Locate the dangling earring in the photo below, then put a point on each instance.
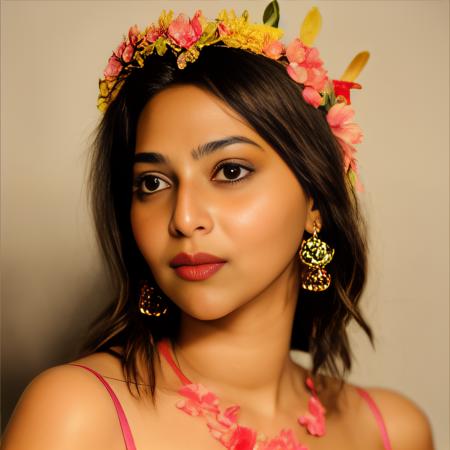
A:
(315, 254)
(150, 302)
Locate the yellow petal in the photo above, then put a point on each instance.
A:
(311, 26)
(356, 66)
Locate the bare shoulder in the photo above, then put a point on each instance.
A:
(63, 407)
(407, 425)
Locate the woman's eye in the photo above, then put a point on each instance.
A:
(149, 184)
(232, 172)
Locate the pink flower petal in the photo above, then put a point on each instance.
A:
(113, 68)
(297, 72)
(296, 51)
(119, 50)
(339, 114)
(339, 117)
(185, 32)
(312, 97)
(274, 49)
(314, 420)
(133, 34)
(243, 438)
(128, 53)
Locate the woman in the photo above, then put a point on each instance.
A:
(223, 186)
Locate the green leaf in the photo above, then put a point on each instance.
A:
(271, 14)
(160, 46)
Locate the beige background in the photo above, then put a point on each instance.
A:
(52, 54)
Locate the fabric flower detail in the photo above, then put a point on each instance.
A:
(225, 429)
(184, 31)
(198, 400)
(220, 425)
(284, 441)
(243, 438)
(314, 420)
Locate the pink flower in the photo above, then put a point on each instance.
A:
(317, 78)
(273, 49)
(305, 65)
(133, 34)
(198, 400)
(312, 97)
(285, 441)
(297, 72)
(296, 51)
(314, 420)
(125, 50)
(184, 31)
(119, 50)
(153, 33)
(339, 118)
(128, 53)
(223, 425)
(113, 68)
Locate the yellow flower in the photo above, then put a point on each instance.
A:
(246, 35)
(165, 19)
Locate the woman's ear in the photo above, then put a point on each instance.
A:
(312, 215)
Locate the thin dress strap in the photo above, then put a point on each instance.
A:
(379, 418)
(126, 432)
(164, 349)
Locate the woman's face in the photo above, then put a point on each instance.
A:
(236, 200)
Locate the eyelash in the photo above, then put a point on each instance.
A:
(137, 184)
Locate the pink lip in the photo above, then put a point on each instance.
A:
(183, 259)
(198, 272)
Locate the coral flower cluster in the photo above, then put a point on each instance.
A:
(224, 427)
(185, 37)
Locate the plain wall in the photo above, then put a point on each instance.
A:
(53, 282)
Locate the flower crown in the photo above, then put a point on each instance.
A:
(186, 37)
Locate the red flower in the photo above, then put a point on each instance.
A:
(243, 438)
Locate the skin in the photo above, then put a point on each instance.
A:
(235, 326)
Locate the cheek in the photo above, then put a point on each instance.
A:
(268, 224)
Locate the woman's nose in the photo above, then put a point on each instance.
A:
(190, 212)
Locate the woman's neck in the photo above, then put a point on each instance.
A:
(245, 355)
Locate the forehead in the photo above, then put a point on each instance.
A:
(185, 116)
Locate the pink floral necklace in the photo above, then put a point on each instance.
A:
(223, 426)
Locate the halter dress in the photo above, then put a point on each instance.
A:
(164, 349)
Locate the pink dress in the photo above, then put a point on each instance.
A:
(165, 351)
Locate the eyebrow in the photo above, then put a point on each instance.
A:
(201, 151)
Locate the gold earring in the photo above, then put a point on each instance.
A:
(315, 254)
(150, 302)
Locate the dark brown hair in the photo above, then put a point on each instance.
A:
(260, 90)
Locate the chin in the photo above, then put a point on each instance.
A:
(207, 309)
